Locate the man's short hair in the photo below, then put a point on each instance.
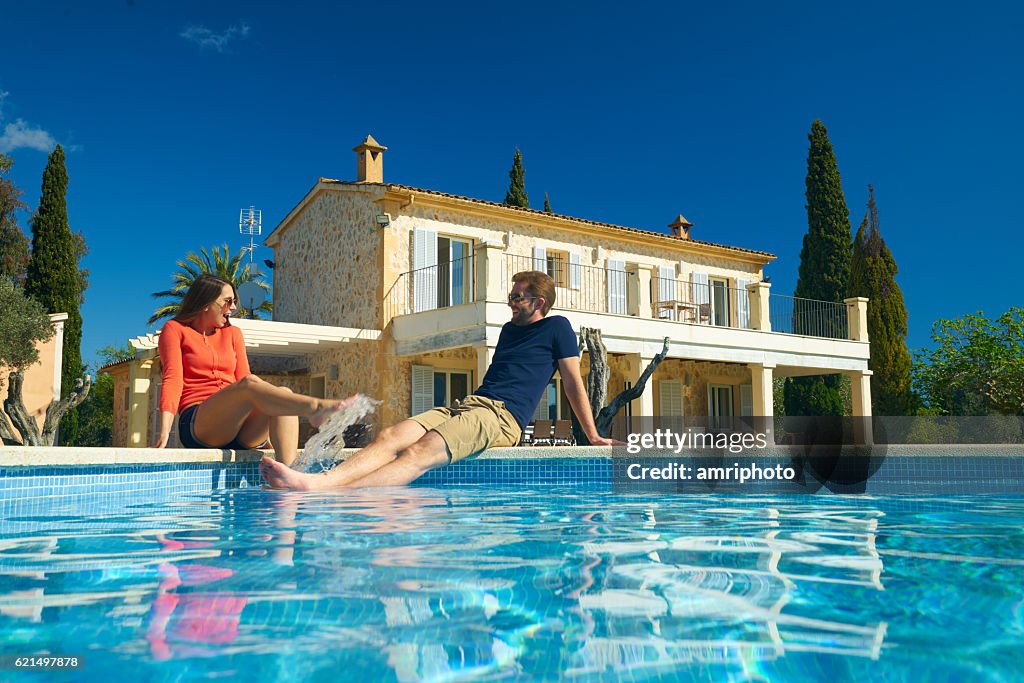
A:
(540, 284)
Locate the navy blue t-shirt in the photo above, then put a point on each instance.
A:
(524, 361)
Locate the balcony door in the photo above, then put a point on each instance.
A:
(442, 270)
(720, 409)
(719, 302)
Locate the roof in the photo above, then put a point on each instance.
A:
(114, 364)
(273, 337)
(538, 212)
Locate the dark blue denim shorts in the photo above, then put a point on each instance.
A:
(188, 437)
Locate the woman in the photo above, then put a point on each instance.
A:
(206, 378)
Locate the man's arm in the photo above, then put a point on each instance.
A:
(572, 383)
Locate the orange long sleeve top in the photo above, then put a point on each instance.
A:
(197, 366)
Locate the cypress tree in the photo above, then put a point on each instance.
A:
(53, 278)
(824, 269)
(873, 275)
(516, 195)
(13, 243)
(547, 204)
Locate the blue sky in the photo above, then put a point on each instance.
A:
(177, 114)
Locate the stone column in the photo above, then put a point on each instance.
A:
(757, 293)
(636, 364)
(764, 401)
(857, 316)
(860, 386)
(138, 402)
(490, 276)
(484, 356)
(639, 297)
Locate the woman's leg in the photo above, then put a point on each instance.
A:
(283, 431)
(221, 417)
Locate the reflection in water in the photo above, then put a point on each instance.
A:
(422, 584)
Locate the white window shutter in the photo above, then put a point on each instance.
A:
(422, 389)
(670, 394)
(666, 283)
(746, 400)
(541, 411)
(575, 271)
(702, 296)
(701, 288)
(540, 259)
(424, 266)
(743, 303)
(616, 274)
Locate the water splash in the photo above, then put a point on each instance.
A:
(319, 454)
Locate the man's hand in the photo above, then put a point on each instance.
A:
(598, 440)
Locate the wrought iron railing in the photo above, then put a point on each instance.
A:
(592, 289)
(808, 317)
(451, 283)
(604, 289)
(704, 303)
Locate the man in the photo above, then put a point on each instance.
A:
(530, 348)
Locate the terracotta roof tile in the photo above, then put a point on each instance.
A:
(649, 233)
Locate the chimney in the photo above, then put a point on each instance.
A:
(681, 227)
(370, 164)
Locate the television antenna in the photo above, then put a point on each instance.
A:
(250, 222)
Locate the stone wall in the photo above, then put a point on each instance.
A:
(326, 270)
(695, 394)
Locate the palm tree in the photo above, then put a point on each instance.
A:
(221, 262)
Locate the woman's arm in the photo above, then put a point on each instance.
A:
(173, 381)
(241, 358)
(160, 439)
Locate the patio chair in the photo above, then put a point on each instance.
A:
(563, 435)
(541, 433)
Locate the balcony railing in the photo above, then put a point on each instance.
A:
(808, 317)
(614, 288)
(451, 283)
(578, 287)
(704, 303)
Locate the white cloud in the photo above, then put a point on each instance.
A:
(21, 134)
(206, 38)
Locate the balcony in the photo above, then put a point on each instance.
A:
(469, 283)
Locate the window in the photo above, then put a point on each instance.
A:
(719, 302)
(720, 409)
(557, 266)
(442, 270)
(670, 395)
(564, 267)
(553, 404)
(433, 387)
(455, 268)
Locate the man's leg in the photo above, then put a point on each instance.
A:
(429, 452)
(383, 450)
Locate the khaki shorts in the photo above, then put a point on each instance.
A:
(472, 425)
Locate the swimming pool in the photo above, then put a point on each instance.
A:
(194, 575)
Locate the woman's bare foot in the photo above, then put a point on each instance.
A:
(329, 408)
(280, 476)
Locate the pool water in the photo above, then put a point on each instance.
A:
(497, 582)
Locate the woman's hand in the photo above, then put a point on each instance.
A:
(166, 420)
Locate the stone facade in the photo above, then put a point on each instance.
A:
(700, 375)
(326, 261)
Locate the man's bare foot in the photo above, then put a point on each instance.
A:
(329, 408)
(280, 476)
